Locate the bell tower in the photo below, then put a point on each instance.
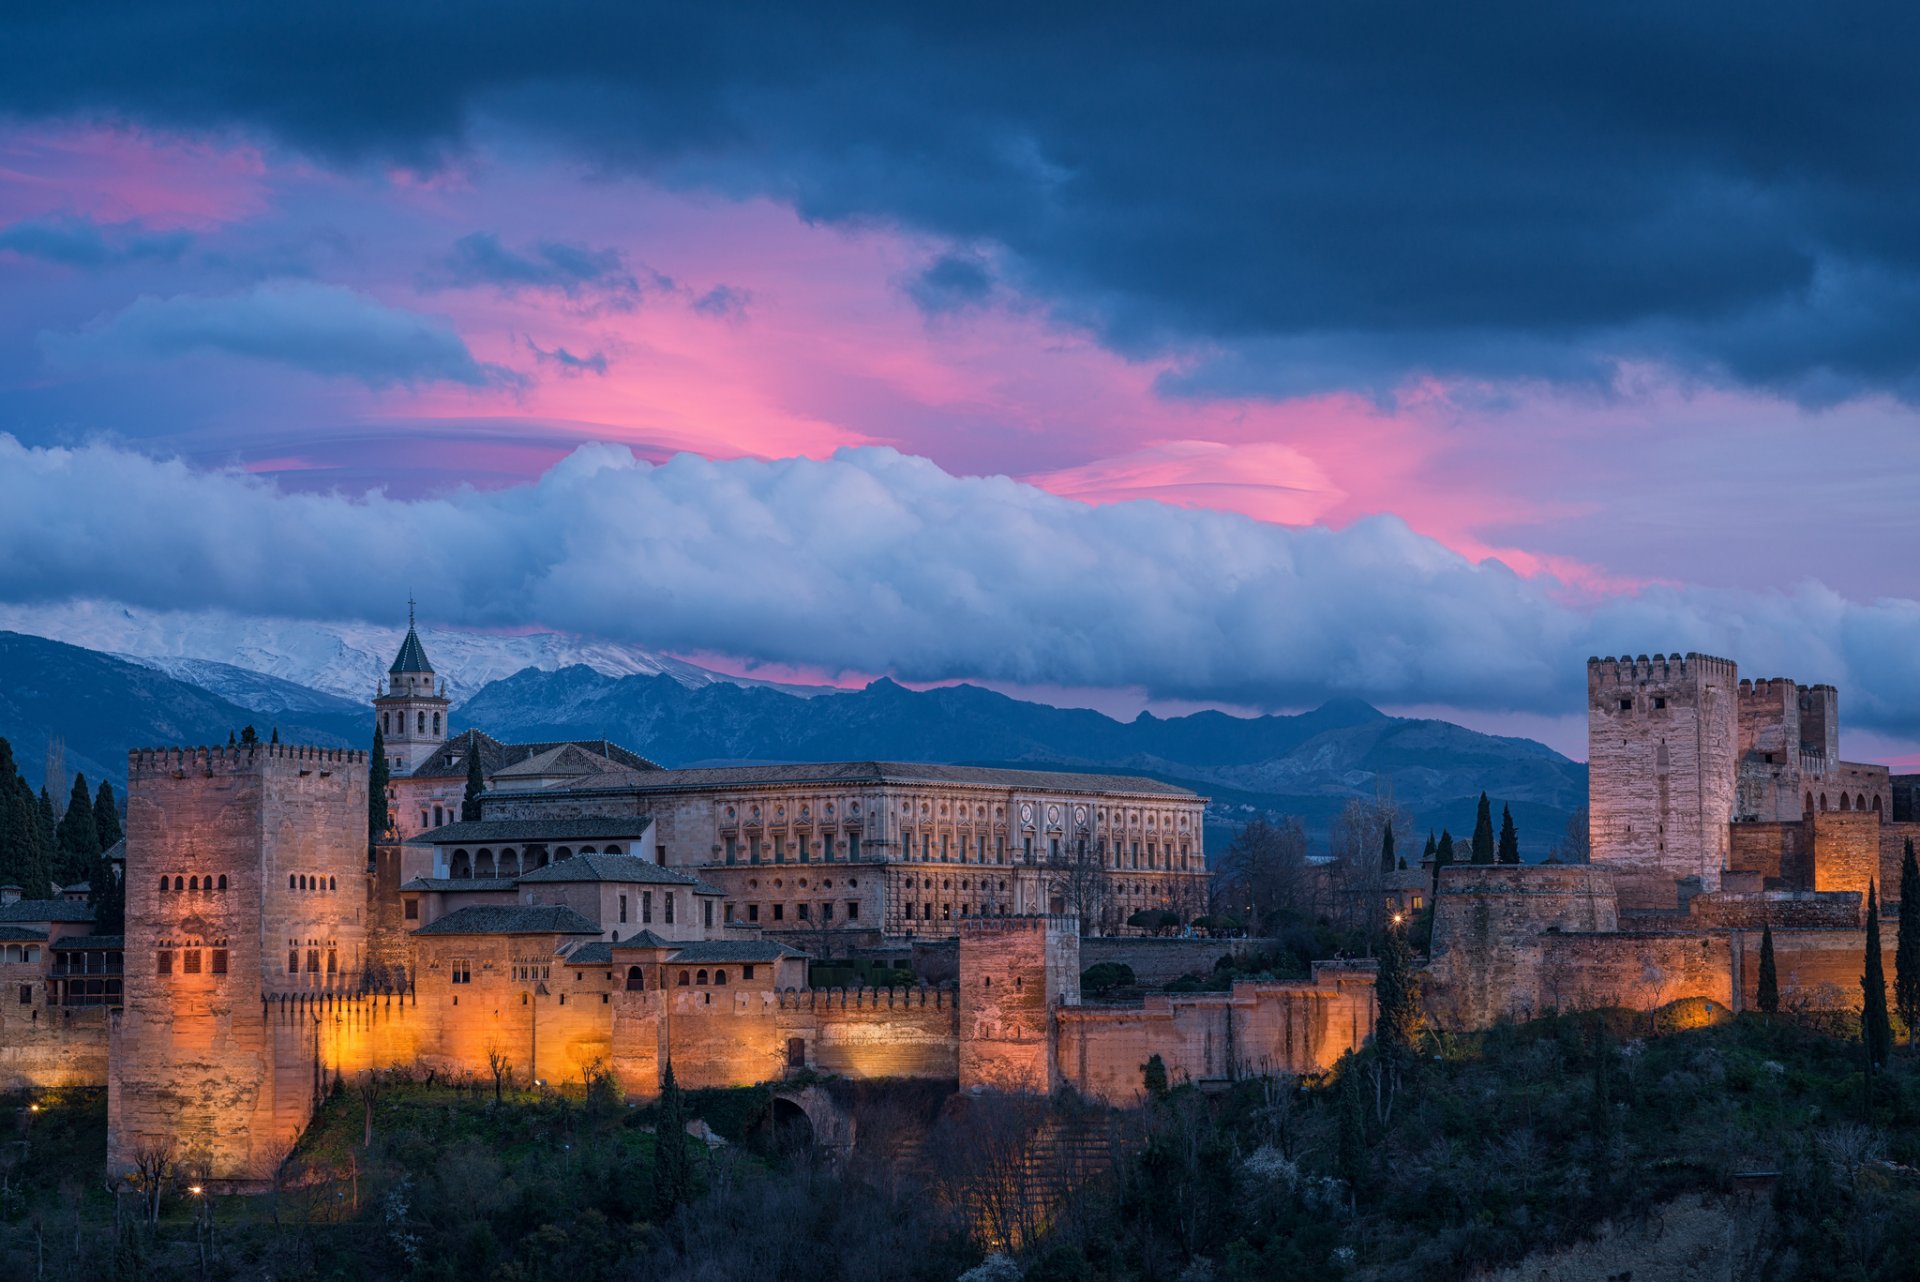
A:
(412, 710)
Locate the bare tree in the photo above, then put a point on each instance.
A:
(502, 1069)
(154, 1161)
(371, 1086)
(1357, 833)
(1078, 878)
(1264, 873)
(1576, 844)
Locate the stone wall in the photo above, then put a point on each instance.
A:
(1752, 910)
(1488, 924)
(1639, 970)
(1846, 851)
(1780, 850)
(1818, 969)
(1257, 1029)
(1161, 961)
(44, 1046)
(1893, 844)
(1663, 749)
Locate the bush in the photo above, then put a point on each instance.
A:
(1104, 977)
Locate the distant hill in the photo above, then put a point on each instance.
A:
(102, 706)
(1308, 764)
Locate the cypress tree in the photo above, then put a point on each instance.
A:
(1509, 838)
(49, 828)
(106, 816)
(108, 896)
(1387, 861)
(378, 778)
(1906, 947)
(1768, 998)
(1874, 1028)
(1483, 832)
(1426, 856)
(1442, 858)
(276, 735)
(1397, 991)
(476, 782)
(79, 844)
(1352, 1154)
(672, 1173)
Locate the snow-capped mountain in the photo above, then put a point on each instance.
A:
(340, 658)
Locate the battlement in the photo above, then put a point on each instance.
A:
(233, 759)
(1625, 669)
(1051, 923)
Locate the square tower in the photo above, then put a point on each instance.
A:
(245, 883)
(1663, 745)
(1014, 972)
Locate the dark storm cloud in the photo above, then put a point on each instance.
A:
(80, 242)
(576, 271)
(1364, 190)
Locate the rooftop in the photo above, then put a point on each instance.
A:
(479, 832)
(511, 919)
(79, 943)
(622, 868)
(21, 935)
(845, 773)
(449, 760)
(706, 952)
(459, 883)
(412, 656)
(49, 910)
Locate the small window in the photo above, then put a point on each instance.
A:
(707, 912)
(164, 885)
(460, 971)
(26, 994)
(806, 912)
(779, 911)
(293, 961)
(701, 978)
(163, 962)
(623, 908)
(646, 907)
(219, 961)
(1659, 701)
(223, 881)
(682, 981)
(719, 976)
(753, 912)
(313, 961)
(796, 1052)
(746, 972)
(413, 910)
(1626, 705)
(853, 912)
(667, 902)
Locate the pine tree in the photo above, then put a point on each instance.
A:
(79, 844)
(378, 779)
(1483, 833)
(1906, 947)
(672, 1171)
(1426, 856)
(106, 816)
(476, 783)
(1874, 1028)
(1768, 996)
(1387, 861)
(1509, 838)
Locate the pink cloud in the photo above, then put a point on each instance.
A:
(119, 175)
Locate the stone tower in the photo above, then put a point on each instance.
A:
(412, 711)
(1663, 742)
(1014, 972)
(246, 888)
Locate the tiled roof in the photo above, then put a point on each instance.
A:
(62, 910)
(597, 953)
(21, 935)
(608, 868)
(449, 760)
(854, 773)
(707, 952)
(511, 919)
(644, 939)
(480, 832)
(412, 656)
(562, 759)
(459, 883)
(79, 943)
(117, 851)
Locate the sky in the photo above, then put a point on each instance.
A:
(1240, 356)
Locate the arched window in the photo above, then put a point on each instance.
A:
(421, 721)
(223, 881)
(1876, 805)
(563, 852)
(719, 976)
(436, 725)
(439, 816)
(333, 883)
(1860, 802)
(179, 883)
(163, 885)
(193, 883)
(1846, 802)
(1809, 809)
(483, 863)
(636, 980)
(290, 881)
(386, 723)
(683, 979)
(700, 978)
(1823, 801)
(613, 850)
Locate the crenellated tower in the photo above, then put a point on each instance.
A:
(246, 884)
(1663, 749)
(412, 711)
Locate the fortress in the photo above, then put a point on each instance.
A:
(1719, 806)
(605, 915)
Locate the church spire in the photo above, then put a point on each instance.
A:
(413, 656)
